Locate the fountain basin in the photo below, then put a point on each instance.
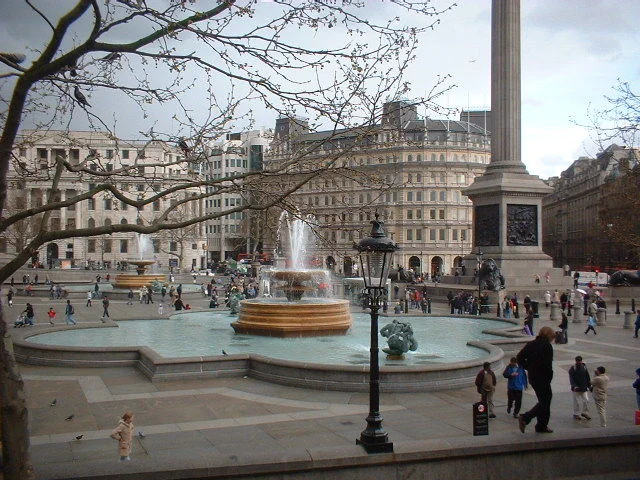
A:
(125, 280)
(304, 318)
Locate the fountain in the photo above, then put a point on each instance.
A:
(294, 315)
(126, 280)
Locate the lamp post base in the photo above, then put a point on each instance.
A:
(376, 445)
(373, 438)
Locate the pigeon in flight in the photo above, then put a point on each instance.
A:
(111, 57)
(224, 353)
(70, 417)
(82, 100)
(79, 437)
(53, 402)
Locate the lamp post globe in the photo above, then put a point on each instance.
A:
(376, 254)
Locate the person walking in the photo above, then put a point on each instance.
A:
(599, 389)
(580, 385)
(537, 358)
(123, 433)
(105, 308)
(160, 309)
(89, 297)
(486, 385)
(68, 314)
(635, 335)
(591, 320)
(10, 303)
(130, 297)
(517, 383)
(52, 316)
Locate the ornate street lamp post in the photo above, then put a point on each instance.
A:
(479, 260)
(376, 254)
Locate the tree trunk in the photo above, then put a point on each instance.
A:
(15, 425)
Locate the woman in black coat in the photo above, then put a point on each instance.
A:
(537, 358)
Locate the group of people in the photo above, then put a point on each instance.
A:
(534, 365)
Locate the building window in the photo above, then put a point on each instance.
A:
(432, 214)
(75, 156)
(109, 153)
(443, 196)
(125, 154)
(419, 234)
(409, 235)
(442, 234)
(156, 245)
(55, 224)
(433, 196)
(108, 204)
(409, 214)
(432, 235)
(156, 206)
(124, 246)
(91, 246)
(409, 196)
(441, 214)
(194, 246)
(173, 246)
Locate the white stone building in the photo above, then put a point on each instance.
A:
(31, 186)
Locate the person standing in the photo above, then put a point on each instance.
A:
(89, 297)
(123, 433)
(635, 335)
(517, 383)
(547, 298)
(537, 358)
(105, 308)
(130, 297)
(160, 309)
(68, 312)
(52, 316)
(564, 326)
(591, 320)
(599, 389)
(29, 315)
(486, 385)
(580, 385)
(10, 303)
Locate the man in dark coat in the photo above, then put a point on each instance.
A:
(537, 358)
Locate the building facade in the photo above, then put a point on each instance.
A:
(409, 170)
(156, 165)
(231, 235)
(576, 230)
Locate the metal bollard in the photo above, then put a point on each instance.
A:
(428, 305)
(633, 304)
(617, 306)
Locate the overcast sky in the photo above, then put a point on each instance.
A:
(573, 52)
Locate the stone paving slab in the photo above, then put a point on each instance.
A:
(225, 422)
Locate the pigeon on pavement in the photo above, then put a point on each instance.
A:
(70, 417)
(53, 402)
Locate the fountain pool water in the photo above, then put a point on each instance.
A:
(441, 339)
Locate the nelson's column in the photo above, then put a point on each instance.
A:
(507, 200)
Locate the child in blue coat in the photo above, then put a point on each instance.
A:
(517, 377)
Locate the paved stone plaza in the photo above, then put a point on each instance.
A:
(240, 422)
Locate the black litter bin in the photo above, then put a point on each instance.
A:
(534, 308)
